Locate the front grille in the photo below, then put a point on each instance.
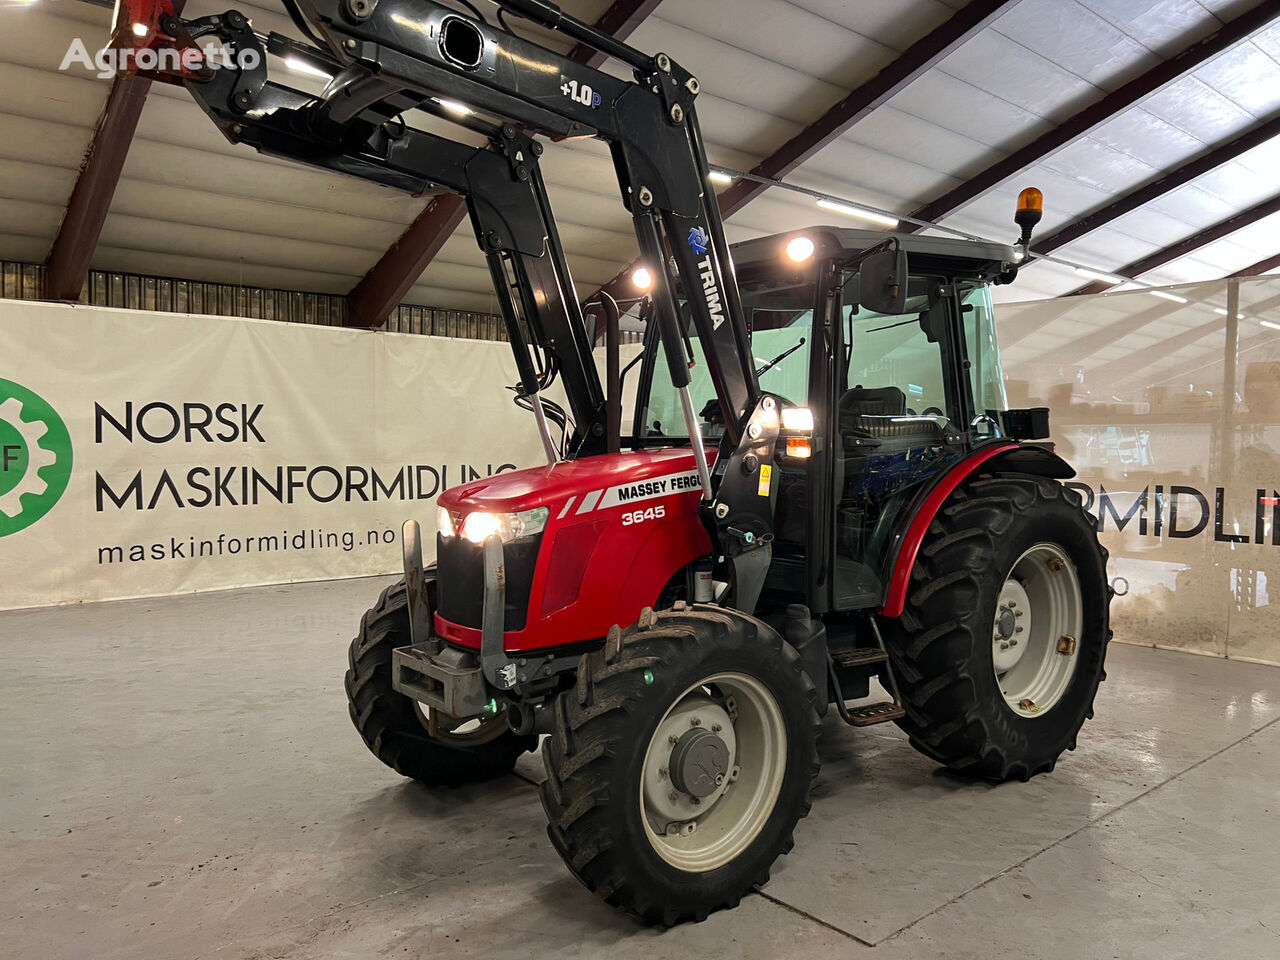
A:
(460, 580)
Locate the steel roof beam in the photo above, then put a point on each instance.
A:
(1218, 231)
(1097, 113)
(1259, 268)
(619, 21)
(913, 63)
(67, 266)
(1163, 184)
(381, 290)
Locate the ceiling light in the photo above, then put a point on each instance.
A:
(1222, 312)
(869, 215)
(301, 66)
(1099, 275)
(641, 278)
(715, 176)
(800, 249)
(453, 106)
(141, 30)
(1271, 324)
(1165, 295)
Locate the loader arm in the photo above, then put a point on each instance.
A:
(501, 183)
(391, 56)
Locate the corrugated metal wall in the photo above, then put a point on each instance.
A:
(25, 281)
(447, 323)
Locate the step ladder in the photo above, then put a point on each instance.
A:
(871, 713)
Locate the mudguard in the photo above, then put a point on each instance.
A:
(1037, 460)
(942, 488)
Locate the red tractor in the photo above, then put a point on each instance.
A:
(821, 484)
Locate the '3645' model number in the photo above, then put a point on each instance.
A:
(640, 516)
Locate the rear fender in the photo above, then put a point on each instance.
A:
(910, 540)
(1039, 461)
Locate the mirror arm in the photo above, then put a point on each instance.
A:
(857, 258)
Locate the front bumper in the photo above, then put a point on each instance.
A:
(443, 678)
(454, 681)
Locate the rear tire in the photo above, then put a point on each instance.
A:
(620, 797)
(394, 727)
(1002, 545)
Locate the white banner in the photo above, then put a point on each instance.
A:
(146, 454)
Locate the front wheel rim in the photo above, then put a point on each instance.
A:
(1035, 637)
(465, 733)
(701, 833)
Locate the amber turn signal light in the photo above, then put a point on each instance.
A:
(798, 447)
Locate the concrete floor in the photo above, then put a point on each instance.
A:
(178, 778)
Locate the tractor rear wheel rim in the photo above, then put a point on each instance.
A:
(745, 759)
(1036, 629)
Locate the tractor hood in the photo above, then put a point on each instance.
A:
(592, 482)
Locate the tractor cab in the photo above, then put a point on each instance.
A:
(878, 394)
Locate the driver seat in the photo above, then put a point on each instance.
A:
(872, 402)
(880, 413)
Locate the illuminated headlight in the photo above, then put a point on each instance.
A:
(797, 419)
(478, 527)
(444, 523)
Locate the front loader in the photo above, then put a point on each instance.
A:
(821, 484)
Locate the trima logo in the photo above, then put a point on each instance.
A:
(35, 457)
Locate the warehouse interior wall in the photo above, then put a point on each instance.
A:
(1169, 409)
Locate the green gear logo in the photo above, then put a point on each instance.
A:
(35, 457)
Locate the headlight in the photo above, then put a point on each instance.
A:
(444, 523)
(478, 527)
(797, 419)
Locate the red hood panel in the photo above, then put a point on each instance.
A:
(517, 490)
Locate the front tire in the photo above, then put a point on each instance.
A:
(681, 762)
(396, 728)
(1000, 648)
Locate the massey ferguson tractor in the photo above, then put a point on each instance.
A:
(821, 485)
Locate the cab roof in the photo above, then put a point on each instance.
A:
(951, 254)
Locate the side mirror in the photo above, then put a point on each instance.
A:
(883, 286)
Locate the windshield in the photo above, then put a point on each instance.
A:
(882, 355)
(779, 314)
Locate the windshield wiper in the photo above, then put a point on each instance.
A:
(780, 357)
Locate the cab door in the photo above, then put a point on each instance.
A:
(900, 409)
